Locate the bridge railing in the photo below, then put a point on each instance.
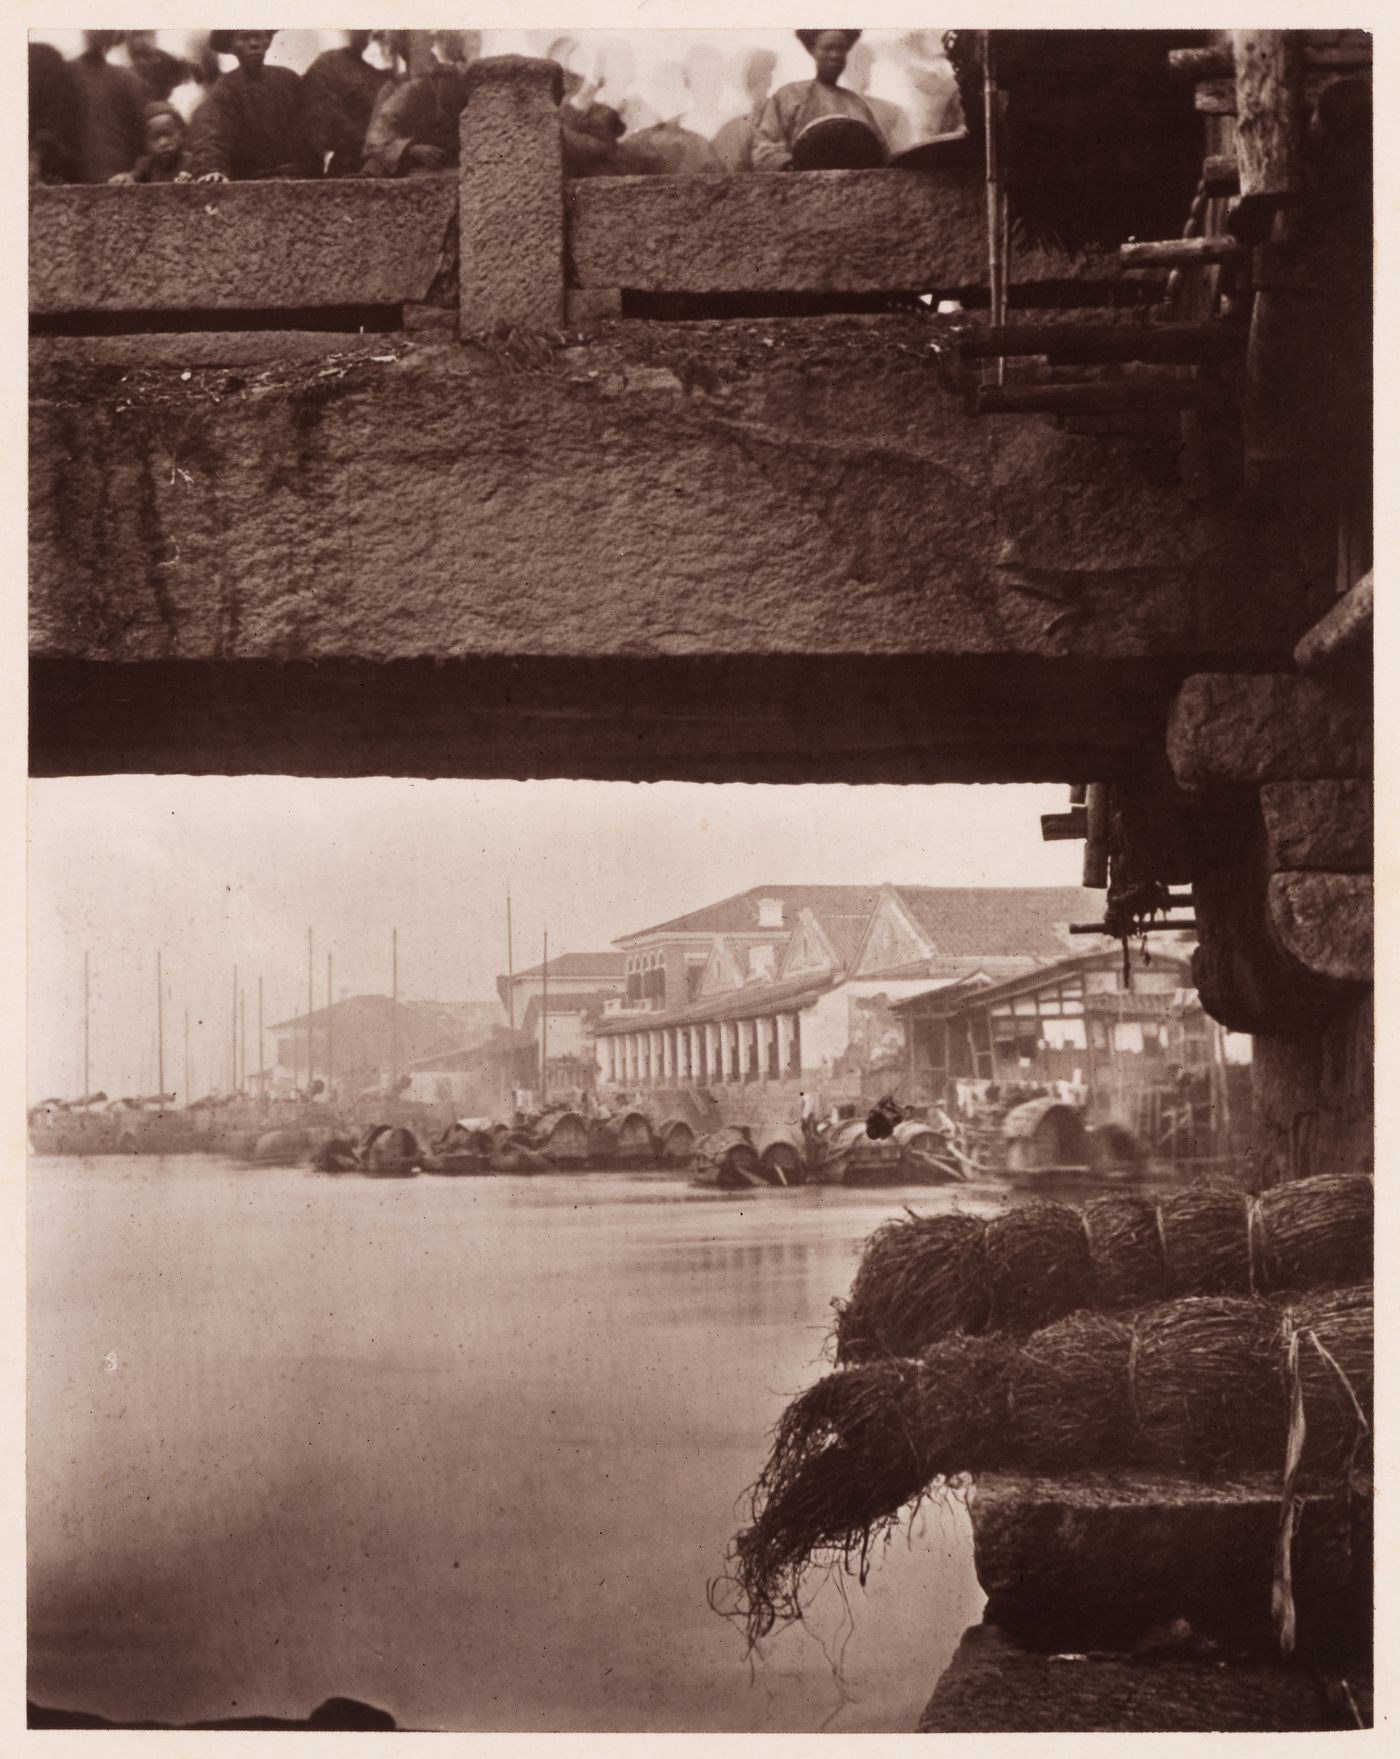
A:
(508, 238)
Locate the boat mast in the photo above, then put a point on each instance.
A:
(510, 966)
(87, 1061)
(160, 1034)
(187, 1054)
(310, 1007)
(233, 1039)
(394, 1019)
(243, 1033)
(544, 1026)
(330, 1028)
(262, 1072)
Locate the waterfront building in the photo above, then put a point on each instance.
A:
(782, 993)
(356, 1043)
(580, 976)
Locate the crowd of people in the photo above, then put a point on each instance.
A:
(389, 103)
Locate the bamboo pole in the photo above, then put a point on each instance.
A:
(330, 1025)
(262, 1065)
(510, 966)
(310, 1009)
(991, 103)
(544, 1025)
(233, 1038)
(87, 1043)
(394, 1022)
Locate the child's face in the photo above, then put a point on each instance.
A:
(163, 138)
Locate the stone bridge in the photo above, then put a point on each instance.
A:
(501, 473)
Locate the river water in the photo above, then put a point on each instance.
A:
(468, 1449)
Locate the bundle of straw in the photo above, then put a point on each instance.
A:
(1205, 1384)
(926, 1277)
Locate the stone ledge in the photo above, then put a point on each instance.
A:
(994, 1686)
(833, 231)
(1323, 825)
(238, 246)
(1231, 727)
(1100, 1558)
(1327, 922)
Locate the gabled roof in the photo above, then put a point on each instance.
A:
(365, 1009)
(739, 914)
(609, 964)
(1001, 921)
(949, 997)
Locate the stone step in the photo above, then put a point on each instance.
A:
(1097, 1559)
(996, 1686)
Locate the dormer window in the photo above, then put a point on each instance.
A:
(770, 913)
(760, 963)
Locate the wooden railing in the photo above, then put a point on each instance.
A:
(507, 238)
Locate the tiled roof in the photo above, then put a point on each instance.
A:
(730, 1004)
(739, 914)
(609, 964)
(366, 1008)
(951, 996)
(1002, 921)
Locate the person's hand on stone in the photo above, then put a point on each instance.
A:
(122, 177)
(212, 177)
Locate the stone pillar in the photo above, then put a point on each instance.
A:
(511, 201)
(784, 1030)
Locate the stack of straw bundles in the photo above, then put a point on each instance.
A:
(929, 1277)
(1206, 1384)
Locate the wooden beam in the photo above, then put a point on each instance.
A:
(1167, 252)
(1220, 175)
(1170, 344)
(1120, 396)
(1217, 61)
(1064, 827)
(1342, 631)
(1096, 837)
(1269, 132)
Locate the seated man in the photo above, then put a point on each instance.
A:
(415, 125)
(253, 123)
(793, 107)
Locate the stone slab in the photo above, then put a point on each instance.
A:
(1103, 1557)
(192, 350)
(801, 487)
(834, 231)
(512, 197)
(239, 246)
(1326, 825)
(1233, 727)
(994, 1686)
(1327, 922)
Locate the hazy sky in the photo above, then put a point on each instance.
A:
(219, 871)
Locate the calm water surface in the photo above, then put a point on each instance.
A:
(469, 1449)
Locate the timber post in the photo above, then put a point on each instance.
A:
(511, 190)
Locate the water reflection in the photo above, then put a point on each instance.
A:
(467, 1449)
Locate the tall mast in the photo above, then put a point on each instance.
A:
(233, 1039)
(243, 1032)
(310, 1009)
(510, 965)
(544, 1025)
(187, 1055)
(87, 1060)
(160, 1033)
(262, 1073)
(330, 1027)
(394, 1018)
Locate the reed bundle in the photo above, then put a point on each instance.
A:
(1204, 1384)
(926, 1277)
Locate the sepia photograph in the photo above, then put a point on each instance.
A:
(699, 1049)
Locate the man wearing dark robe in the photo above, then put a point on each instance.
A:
(415, 125)
(253, 122)
(111, 111)
(340, 89)
(53, 116)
